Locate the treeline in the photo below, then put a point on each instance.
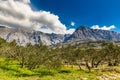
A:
(35, 56)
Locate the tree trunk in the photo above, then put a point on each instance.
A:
(88, 67)
(98, 64)
(79, 66)
(92, 63)
(22, 63)
(116, 63)
(110, 63)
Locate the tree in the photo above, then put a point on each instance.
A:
(38, 56)
(113, 54)
(69, 55)
(92, 57)
(54, 59)
(79, 55)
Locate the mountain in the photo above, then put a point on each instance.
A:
(24, 36)
(87, 34)
(82, 34)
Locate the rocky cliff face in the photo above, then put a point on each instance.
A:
(84, 33)
(23, 37)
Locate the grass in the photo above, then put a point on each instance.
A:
(10, 70)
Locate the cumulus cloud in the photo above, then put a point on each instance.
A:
(26, 1)
(19, 14)
(72, 23)
(70, 31)
(104, 27)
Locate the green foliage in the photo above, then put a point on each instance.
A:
(25, 61)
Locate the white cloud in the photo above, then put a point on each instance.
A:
(19, 14)
(72, 23)
(26, 1)
(104, 27)
(70, 31)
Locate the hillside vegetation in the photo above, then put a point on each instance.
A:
(40, 62)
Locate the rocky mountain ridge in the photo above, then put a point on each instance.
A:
(88, 34)
(24, 36)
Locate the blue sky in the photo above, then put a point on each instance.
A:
(60, 16)
(83, 12)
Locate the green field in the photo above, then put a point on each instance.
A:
(10, 70)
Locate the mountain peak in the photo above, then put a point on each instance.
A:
(82, 28)
(84, 33)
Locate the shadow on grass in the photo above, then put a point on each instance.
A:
(42, 73)
(37, 73)
(64, 71)
(18, 73)
(23, 75)
(9, 69)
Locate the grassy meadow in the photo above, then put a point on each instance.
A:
(10, 70)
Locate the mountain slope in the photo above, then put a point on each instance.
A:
(87, 34)
(23, 37)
